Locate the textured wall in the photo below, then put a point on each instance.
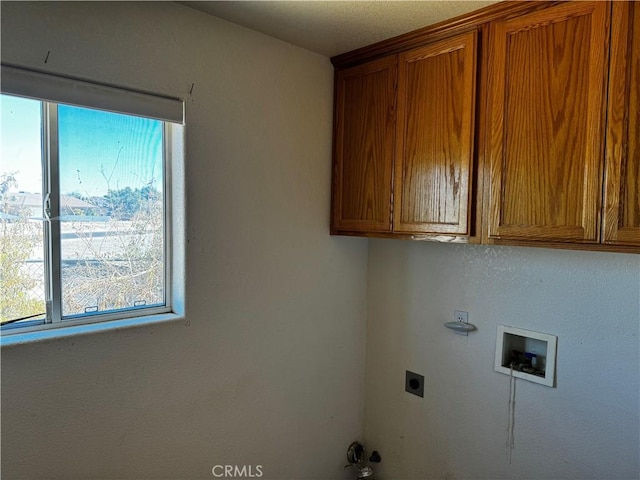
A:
(586, 428)
(268, 368)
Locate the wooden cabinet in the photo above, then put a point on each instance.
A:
(435, 137)
(622, 180)
(520, 120)
(364, 142)
(425, 145)
(546, 119)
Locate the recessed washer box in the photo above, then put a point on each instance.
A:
(527, 355)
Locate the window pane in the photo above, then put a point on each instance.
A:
(111, 211)
(22, 277)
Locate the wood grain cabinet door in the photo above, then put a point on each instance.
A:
(622, 181)
(364, 147)
(435, 137)
(546, 102)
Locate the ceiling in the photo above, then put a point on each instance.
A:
(334, 27)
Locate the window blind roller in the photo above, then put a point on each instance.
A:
(54, 88)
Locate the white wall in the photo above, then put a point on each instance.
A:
(585, 428)
(268, 369)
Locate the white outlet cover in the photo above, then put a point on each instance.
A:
(462, 317)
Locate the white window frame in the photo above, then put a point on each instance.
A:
(52, 90)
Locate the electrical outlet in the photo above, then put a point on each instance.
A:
(414, 383)
(461, 316)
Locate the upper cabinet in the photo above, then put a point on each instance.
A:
(517, 124)
(622, 181)
(404, 141)
(546, 118)
(364, 143)
(435, 137)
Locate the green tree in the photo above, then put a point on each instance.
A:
(18, 238)
(125, 203)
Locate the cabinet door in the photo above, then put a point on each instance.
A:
(364, 147)
(546, 104)
(622, 186)
(435, 139)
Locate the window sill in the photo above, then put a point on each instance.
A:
(7, 340)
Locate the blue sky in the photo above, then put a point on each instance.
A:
(20, 141)
(98, 150)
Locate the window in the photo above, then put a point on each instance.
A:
(87, 223)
